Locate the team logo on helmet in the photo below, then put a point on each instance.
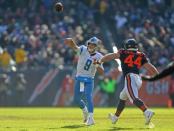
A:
(93, 40)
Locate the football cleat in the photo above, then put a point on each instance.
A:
(85, 116)
(90, 121)
(148, 116)
(113, 118)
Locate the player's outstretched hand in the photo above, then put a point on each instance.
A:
(68, 41)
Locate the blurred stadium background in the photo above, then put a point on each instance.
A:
(37, 69)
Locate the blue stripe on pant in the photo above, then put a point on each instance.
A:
(88, 88)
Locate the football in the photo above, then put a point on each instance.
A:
(59, 7)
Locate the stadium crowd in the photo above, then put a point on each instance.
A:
(32, 33)
(150, 22)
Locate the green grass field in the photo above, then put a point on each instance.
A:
(40, 119)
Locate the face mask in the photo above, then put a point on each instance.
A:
(91, 50)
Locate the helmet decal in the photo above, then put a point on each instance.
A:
(93, 40)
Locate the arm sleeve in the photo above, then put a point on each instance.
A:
(145, 59)
(80, 49)
(100, 65)
(167, 71)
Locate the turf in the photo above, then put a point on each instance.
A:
(40, 119)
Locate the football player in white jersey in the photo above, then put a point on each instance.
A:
(86, 70)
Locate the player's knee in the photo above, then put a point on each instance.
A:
(122, 97)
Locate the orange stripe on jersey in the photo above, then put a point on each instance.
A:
(130, 87)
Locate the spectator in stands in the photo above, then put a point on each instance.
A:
(109, 85)
(5, 58)
(20, 56)
(20, 87)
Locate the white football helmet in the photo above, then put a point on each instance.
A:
(95, 41)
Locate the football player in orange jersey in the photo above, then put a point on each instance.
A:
(131, 62)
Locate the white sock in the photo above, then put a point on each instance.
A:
(90, 114)
(85, 109)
